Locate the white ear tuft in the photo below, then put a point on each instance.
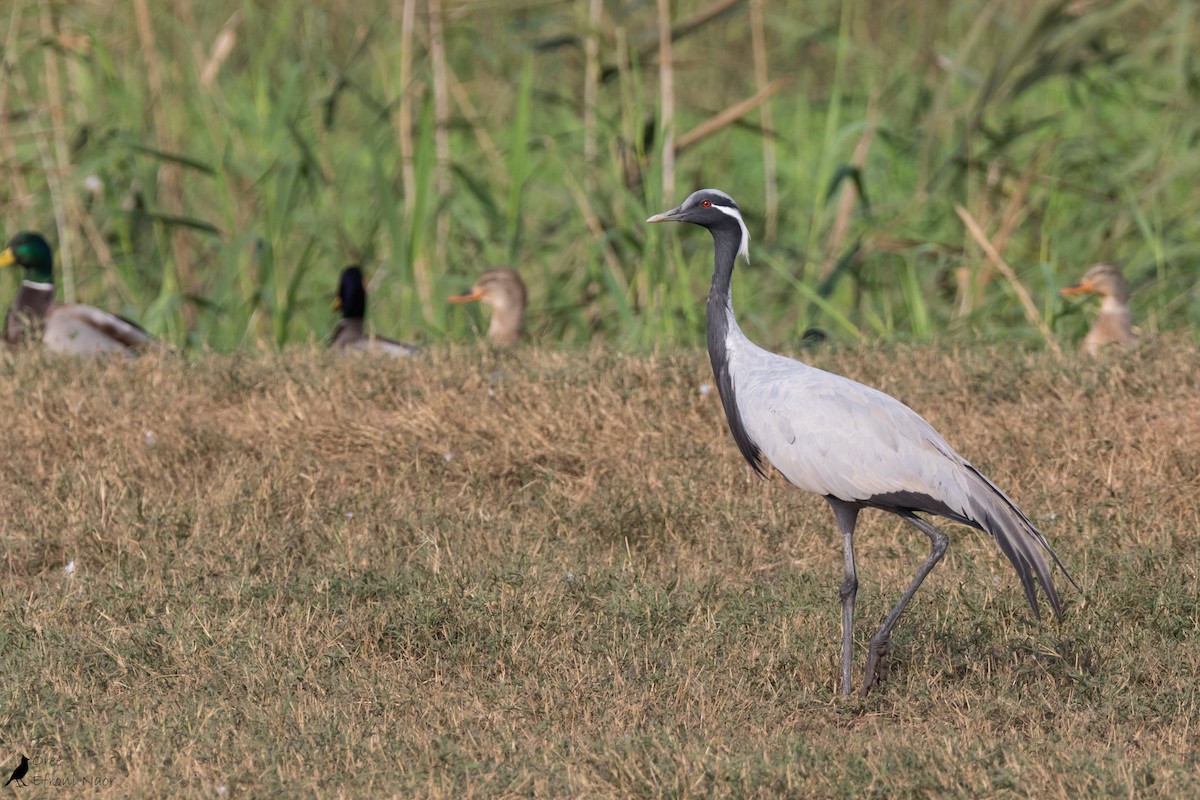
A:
(744, 247)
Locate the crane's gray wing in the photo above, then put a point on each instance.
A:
(833, 436)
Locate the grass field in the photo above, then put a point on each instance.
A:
(552, 575)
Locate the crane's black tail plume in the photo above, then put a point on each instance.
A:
(993, 512)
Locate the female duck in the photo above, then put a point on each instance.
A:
(503, 290)
(1113, 326)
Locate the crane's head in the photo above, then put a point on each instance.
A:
(715, 210)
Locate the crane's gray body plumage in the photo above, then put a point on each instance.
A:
(854, 445)
(859, 445)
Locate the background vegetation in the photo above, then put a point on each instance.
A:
(553, 576)
(208, 165)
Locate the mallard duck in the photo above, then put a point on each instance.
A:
(1113, 326)
(71, 328)
(350, 333)
(503, 290)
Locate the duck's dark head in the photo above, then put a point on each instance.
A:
(352, 294)
(31, 252)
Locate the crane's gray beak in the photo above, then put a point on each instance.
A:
(667, 216)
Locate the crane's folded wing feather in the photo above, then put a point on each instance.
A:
(833, 436)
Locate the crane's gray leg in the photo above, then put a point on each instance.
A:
(878, 649)
(847, 517)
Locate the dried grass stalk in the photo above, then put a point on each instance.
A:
(1031, 312)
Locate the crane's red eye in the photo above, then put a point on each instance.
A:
(706, 204)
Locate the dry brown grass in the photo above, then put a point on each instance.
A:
(551, 575)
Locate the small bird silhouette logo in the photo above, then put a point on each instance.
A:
(19, 772)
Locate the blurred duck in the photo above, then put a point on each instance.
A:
(70, 328)
(349, 335)
(1113, 326)
(503, 290)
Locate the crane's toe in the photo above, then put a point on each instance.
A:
(877, 663)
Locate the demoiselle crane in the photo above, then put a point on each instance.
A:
(1114, 325)
(853, 445)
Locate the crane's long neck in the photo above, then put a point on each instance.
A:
(723, 331)
(719, 314)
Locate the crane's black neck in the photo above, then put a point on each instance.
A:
(720, 324)
(719, 314)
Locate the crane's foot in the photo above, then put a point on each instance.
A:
(877, 664)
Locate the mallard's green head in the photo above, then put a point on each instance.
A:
(31, 251)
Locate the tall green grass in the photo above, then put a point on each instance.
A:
(290, 166)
